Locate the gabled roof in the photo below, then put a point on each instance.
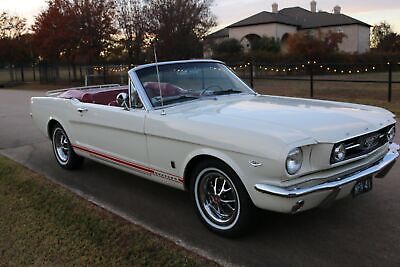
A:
(264, 17)
(307, 19)
(299, 17)
(219, 34)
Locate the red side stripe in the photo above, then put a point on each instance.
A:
(129, 164)
(123, 162)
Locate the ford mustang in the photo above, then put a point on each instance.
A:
(194, 125)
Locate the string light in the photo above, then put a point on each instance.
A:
(324, 68)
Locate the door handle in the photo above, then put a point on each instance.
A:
(82, 110)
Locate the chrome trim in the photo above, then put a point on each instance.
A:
(386, 161)
(350, 160)
(129, 93)
(82, 110)
(59, 91)
(141, 92)
(366, 133)
(177, 62)
(353, 146)
(241, 81)
(255, 164)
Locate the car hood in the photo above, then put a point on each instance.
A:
(289, 119)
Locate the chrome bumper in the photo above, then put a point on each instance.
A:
(379, 170)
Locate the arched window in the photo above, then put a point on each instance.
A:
(248, 40)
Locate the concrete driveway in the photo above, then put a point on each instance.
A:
(360, 232)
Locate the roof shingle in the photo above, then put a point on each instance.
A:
(299, 17)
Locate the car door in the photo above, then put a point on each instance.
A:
(112, 134)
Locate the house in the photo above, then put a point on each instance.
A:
(280, 23)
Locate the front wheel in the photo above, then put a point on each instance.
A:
(63, 151)
(221, 199)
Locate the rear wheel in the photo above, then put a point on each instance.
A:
(63, 151)
(221, 199)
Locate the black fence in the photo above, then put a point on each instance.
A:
(305, 79)
(383, 75)
(63, 74)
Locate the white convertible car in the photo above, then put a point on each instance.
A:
(194, 125)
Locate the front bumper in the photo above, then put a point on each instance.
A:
(331, 189)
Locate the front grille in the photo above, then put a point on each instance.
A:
(364, 144)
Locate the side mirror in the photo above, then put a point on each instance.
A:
(122, 100)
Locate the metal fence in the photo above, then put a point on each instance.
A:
(374, 78)
(305, 79)
(63, 74)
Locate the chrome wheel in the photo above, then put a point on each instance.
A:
(61, 146)
(217, 198)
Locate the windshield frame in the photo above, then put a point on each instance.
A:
(148, 105)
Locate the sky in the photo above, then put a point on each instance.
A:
(230, 11)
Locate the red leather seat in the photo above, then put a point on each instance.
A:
(167, 89)
(96, 96)
(106, 97)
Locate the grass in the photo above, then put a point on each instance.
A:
(363, 93)
(44, 224)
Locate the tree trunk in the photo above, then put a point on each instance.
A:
(74, 74)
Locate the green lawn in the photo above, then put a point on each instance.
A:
(363, 93)
(44, 224)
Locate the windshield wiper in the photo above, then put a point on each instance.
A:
(176, 99)
(226, 92)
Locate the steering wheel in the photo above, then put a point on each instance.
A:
(210, 87)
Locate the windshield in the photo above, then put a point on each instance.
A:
(180, 82)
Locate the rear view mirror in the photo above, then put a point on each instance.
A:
(122, 100)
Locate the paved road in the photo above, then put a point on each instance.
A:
(363, 232)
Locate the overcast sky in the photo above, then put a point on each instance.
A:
(230, 11)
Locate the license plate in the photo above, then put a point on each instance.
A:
(362, 186)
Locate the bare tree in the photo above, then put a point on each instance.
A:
(133, 20)
(11, 27)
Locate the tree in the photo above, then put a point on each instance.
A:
(379, 32)
(74, 30)
(15, 45)
(133, 21)
(11, 27)
(266, 44)
(318, 46)
(56, 31)
(228, 46)
(178, 26)
(96, 27)
(390, 43)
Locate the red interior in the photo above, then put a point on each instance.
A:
(107, 96)
(167, 89)
(99, 96)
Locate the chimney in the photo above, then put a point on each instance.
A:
(337, 10)
(274, 8)
(313, 6)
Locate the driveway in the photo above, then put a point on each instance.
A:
(360, 232)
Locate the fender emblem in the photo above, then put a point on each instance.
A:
(255, 163)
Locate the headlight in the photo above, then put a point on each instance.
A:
(391, 134)
(339, 153)
(294, 161)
